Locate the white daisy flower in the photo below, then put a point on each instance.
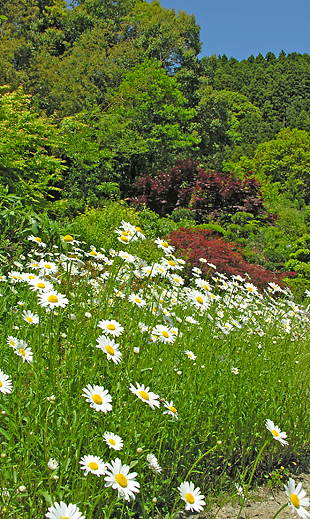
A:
(164, 246)
(235, 371)
(41, 285)
(191, 320)
(52, 464)
(25, 353)
(12, 341)
(145, 395)
(164, 334)
(239, 490)
(153, 464)
(138, 301)
(297, 499)
(63, 511)
(177, 281)
(109, 347)
(98, 398)
(249, 287)
(192, 497)
(202, 283)
(119, 478)
(28, 276)
(113, 441)
(15, 276)
(276, 432)
(93, 464)
(200, 300)
(30, 318)
(49, 267)
(190, 355)
(5, 383)
(171, 410)
(112, 327)
(52, 299)
(37, 240)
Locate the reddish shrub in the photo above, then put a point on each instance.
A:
(206, 193)
(203, 243)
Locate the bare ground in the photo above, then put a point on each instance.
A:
(263, 503)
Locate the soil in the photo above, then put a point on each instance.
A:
(262, 503)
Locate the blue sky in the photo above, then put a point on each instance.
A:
(239, 28)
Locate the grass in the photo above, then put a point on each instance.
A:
(246, 361)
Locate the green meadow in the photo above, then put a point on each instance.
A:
(125, 387)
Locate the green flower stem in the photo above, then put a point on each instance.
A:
(141, 486)
(252, 474)
(190, 470)
(282, 508)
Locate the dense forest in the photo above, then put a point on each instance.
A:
(105, 99)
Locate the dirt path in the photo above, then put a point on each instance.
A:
(263, 503)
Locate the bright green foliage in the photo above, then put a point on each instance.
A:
(283, 165)
(225, 117)
(144, 127)
(278, 86)
(26, 164)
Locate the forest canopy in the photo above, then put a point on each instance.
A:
(120, 86)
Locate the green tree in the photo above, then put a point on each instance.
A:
(27, 165)
(283, 165)
(145, 127)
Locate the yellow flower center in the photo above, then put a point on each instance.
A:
(144, 395)
(138, 229)
(38, 239)
(250, 289)
(295, 500)
(0, 383)
(93, 466)
(111, 327)
(22, 352)
(13, 343)
(68, 238)
(137, 300)
(124, 238)
(165, 244)
(64, 517)
(171, 263)
(41, 285)
(97, 399)
(124, 233)
(190, 498)
(109, 349)
(52, 299)
(199, 300)
(29, 319)
(93, 253)
(47, 266)
(275, 433)
(205, 287)
(177, 280)
(113, 442)
(121, 480)
(173, 409)
(31, 276)
(165, 334)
